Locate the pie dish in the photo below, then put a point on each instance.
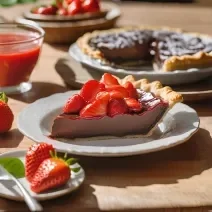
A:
(115, 107)
(169, 49)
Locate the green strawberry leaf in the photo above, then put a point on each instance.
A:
(14, 166)
(3, 97)
(76, 169)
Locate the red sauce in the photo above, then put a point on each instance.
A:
(17, 61)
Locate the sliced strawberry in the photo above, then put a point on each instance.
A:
(91, 6)
(102, 94)
(97, 108)
(120, 89)
(131, 89)
(116, 107)
(74, 104)
(90, 90)
(133, 105)
(116, 95)
(75, 7)
(109, 80)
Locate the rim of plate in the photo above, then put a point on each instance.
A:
(32, 113)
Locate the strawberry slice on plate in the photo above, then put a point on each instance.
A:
(133, 105)
(90, 90)
(36, 154)
(131, 90)
(109, 80)
(97, 108)
(74, 104)
(116, 107)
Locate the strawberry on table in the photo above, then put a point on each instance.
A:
(36, 154)
(116, 107)
(74, 104)
(6, 114)
(109, 80)
(90, 90)
(97, 108)
(133, 105)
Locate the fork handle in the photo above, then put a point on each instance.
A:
(31, 202)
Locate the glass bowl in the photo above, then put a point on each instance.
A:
(20, 47)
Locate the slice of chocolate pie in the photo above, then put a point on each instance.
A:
(115, 107)
(168, 49)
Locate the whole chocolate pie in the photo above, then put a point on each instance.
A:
(115, 107)
(169, 50)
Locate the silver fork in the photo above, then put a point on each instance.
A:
(30, 201)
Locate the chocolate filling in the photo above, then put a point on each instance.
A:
(147, 45)
(73, 126)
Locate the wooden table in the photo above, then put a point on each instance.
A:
(129, 183)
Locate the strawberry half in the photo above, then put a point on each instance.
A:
(97, 108)
(109, 80)
(36, 154)
(91, 6)
(74, 104)
(118, 89)
(133, 105)
(116, 107)
(131, 90)
(90, 90)
(75, 7)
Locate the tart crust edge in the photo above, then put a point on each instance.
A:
(166, 93)
(200, 59)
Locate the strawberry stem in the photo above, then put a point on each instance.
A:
(3, 97)
(51, 153)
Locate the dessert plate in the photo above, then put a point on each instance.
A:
(179, 124)
(176, 77)
(9, 190)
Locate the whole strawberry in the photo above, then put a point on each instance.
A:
(6, 114)
(36, 154)
(52, 173)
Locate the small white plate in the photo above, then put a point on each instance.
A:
(9, 190)
(177, 77)
(35, 121)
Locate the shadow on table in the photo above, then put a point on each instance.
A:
(39, 90)
(11, 139)
(203, 108)
(164, 167)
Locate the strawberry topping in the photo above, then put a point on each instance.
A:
(133, 105)
(109, 80)
(131, 90)
(116, 107)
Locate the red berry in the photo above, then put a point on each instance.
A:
(35, 155)
(131, 90)
(52, 173)
(133, 105)
(116, 107)
(75, 7)
(74, 104)
(118, 88)
(97, 108)
(48, 10)
(62, 11)
(109, 80)
(91, 6)
(91, 89)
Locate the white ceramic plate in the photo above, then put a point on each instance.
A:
(9, 189)
(177, 77)
(35, 121)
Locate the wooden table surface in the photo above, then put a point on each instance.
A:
(166, 177)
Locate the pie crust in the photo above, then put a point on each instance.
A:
(199, 60)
